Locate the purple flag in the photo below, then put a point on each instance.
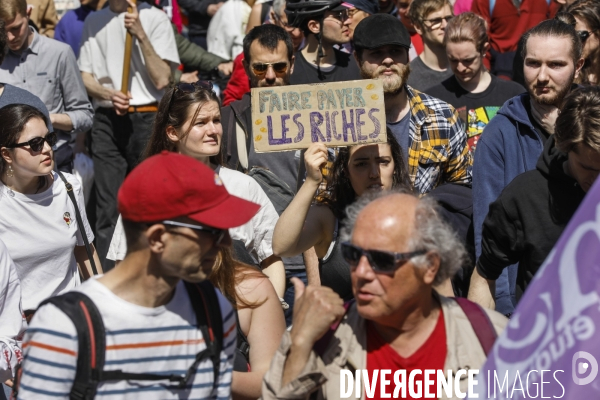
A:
(551, 346)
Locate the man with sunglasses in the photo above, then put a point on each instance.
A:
(123, 122)
(322, 22)
(268, 61)
(397, 248)
(146, 310)
(431, 67)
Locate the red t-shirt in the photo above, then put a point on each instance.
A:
(431, 355)
(417, 42)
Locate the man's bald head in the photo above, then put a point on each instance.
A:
(399, 221)
(391, 217)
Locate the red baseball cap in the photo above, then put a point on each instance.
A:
(170, 185)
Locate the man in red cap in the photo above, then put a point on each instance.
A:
(176, 214)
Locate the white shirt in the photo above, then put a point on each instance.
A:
(257, 234)
(161, 340)
(12, 321)
(227, 28)
(103, 50)
(41, 232)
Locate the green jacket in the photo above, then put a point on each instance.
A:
(193, 56)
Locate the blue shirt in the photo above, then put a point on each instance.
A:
(400, 130)
(70, 27)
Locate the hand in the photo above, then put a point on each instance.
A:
(316, 308)
(189, 77)
(544, 115)
(225, 68)
(120, 102)
(132, 22)
(315, 157)
(213, 8)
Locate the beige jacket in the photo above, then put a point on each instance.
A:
(43, 14)
(347, 350)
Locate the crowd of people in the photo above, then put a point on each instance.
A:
(194, 266)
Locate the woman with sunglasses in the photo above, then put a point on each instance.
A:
(357, 170)
(188, 121)
(38, 222)
(587, 17)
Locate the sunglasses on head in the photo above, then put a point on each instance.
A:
(584, 35)
(37, 144)
(261, 69)
(190, 88)
(380, 261)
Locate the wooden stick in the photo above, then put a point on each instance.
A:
(127, 58)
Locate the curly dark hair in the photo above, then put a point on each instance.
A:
(340, 193)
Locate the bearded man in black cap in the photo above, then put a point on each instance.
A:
(429, 131)
(322, 22)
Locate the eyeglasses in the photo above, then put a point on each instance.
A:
(260, 69)
(380, 261)
(190, 88)
(340, 16)
(584, 35)
(351, 12)
(437, 22)
(37, 144)
(217, 234)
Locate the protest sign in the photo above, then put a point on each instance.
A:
(337, 114)
(550, 348)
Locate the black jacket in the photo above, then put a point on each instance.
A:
(240, 110)
(526, 221)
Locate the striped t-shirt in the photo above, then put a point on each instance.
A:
(162, 340)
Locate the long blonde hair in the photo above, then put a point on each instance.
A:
(228, 273)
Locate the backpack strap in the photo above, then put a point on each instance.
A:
(210, 322)
(92, 341)
(208, 318)
(483, 327)
(79, 222)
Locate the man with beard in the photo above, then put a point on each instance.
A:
(530, 215)
(268, 61)
(428, 129)
(513, 140)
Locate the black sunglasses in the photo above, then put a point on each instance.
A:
(584, 35)
(190, 88)
(37, 144)
(437, 22)
(261, 69)
(380, 261)
(217, 234)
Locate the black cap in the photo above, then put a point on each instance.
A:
(380, 30)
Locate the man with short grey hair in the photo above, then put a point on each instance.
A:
(398, 248)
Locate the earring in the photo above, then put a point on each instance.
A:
(9, 173)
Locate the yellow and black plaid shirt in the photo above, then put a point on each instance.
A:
(438, 151)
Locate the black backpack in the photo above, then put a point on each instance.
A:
(92, 341)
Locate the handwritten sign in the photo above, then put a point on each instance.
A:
(337, 114)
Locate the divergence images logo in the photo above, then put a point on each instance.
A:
(580, 367)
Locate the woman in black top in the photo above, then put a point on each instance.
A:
(356, 170)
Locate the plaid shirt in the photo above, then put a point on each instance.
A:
(438, 152)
